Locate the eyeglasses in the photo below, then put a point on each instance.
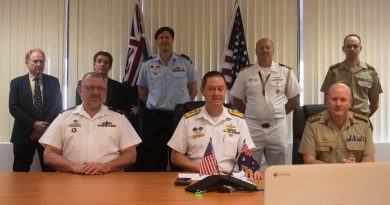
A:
(93, 88)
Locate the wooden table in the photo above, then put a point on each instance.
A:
(114, 188)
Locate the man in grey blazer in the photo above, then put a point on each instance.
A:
(30, 124)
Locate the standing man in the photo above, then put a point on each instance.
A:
(90, 138)
(166, 79)
(267, 92)
(226, 127)
(360, 77)
(34, 101)
(116, 91)
(337, 135)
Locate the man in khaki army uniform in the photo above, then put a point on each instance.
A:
(360, 77)
(337, 135)
(225, 127)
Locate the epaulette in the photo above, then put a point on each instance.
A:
(148, 58)
(335, 66)
(314, 118)
(289, 67)
(360, 117)
(116, 110)
(236, 113)
(186, 57)
(245, 67)
(192, 113)
(370, 66)
(71, 108)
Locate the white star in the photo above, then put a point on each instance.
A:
(135, 110)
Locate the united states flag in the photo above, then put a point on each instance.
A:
(235, 53)
(246, 159)
(208, 165)
(139, 47)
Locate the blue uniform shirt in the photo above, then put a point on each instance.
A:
(167, 84)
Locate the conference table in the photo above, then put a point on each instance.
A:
(114, 188)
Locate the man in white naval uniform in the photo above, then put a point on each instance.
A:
(266, 92)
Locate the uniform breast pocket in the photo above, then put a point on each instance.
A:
(230, 145)
(356, 145)
(365, 84)
(178, 74)
(279, 83)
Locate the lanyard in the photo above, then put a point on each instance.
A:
(263, 82)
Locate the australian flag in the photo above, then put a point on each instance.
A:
(209, 165)
(235, 54)
(245, 158)
(139, 49)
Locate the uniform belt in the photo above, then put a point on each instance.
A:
(266, 125)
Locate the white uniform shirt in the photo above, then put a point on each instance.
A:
(85, 139)
(228, 133)
(248, 86)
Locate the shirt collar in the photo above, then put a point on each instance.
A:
(205, 115)
(81, 111)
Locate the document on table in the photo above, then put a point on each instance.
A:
(196, 177)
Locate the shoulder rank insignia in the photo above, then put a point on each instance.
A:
(289, 67)
(71, 108)
(236, 113)
(335, 66)
(186, 57)
(148, 58)
(360, 117)
(370, 66)
(116, 110)
(192, 113)
(314, 118)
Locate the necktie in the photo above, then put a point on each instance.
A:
(37, 100)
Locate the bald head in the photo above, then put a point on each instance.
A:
(264, 41)
(339, 100)
(340, 87)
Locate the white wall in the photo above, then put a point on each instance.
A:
(6, 156)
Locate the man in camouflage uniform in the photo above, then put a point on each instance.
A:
(337, 135)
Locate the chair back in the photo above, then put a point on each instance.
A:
(300, 116)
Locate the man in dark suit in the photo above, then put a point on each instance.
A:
(33, 109)
(116, 92)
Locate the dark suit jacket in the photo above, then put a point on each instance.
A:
(21, 105)
(117, 95)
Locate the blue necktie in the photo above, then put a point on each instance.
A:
(37, 99)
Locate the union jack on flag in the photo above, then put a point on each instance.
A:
(246, 159)
(208, 165)
(139, 47)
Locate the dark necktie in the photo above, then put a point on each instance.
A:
(37, 99)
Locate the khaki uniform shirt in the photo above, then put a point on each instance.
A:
(324, 140)
(363, 82)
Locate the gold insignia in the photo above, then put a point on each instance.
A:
(325, 144)
(231, 129)
(315, 118)
(287, 66)
(75, 123)
(360, 117)
(236, 113)
(192, 113)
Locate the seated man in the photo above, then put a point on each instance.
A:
(226, 127)
(90, 138)
(337, 135)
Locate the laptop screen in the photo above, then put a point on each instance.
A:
(328, 184)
